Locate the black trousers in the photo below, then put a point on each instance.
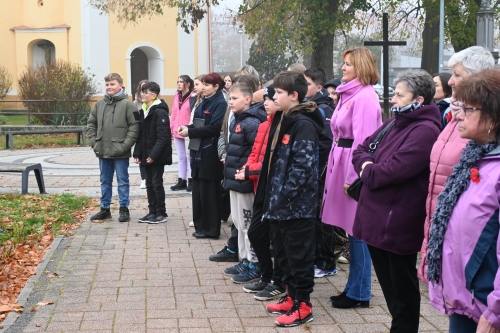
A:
(155, 189)
(325, 245)
(232, 242)
(206, 197)
(143, 171)
(259, 235)
(226, 205)
(397, 275)
(294, 243)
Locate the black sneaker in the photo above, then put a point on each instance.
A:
(124, 215)
(158, 218)
(255, 287)
(103, 214)
(270, 292)
(181, 185)
(237, 269)
(189, 187)
(252, 274)
(145, 219)
(224, 255)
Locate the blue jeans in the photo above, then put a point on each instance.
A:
(462, 324)
(359, 283)
(107, 167)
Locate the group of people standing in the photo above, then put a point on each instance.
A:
(288, 156)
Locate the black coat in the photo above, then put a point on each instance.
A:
(155, 140)
(205, 163)
(324, 102)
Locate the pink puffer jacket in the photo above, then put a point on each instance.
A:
(181, 115)
(445, 154)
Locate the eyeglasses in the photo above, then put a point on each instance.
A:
(147, 93)
(468, 110)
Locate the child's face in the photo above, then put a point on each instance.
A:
(113, 87)
(228, 82)
(270, 106)
(284, 101)
(312, 88)
(238, 102)
(197, 87)
(333, 94)
(148, 97)
(180, 84)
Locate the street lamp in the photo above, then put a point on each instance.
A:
(240, 32)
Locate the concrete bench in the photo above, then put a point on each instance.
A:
(9, 135)
(24, 169)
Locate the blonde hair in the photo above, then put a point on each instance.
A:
(243, 88)
(113, 76)
(364, 63)
(297, 67)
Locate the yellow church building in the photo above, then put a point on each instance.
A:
(35, 31)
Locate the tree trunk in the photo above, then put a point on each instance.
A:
(322, 56)
(430, 39)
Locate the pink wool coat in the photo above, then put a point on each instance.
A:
(181, 115)
(356, 116)
(444, 155)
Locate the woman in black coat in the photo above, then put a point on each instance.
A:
(206, 168)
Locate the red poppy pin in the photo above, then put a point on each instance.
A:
(474, 175)
(448, 116)
(206, 112)
(286, 139)
(238, 128)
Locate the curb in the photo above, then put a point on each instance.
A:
(30, 285)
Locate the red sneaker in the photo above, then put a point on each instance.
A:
(300, 313)
(284, 305)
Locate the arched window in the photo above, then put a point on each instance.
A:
(145, 61)
(42, 51)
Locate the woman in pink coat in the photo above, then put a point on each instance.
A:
(181, 116)
(356, 117)
(449, 145)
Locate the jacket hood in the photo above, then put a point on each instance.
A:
(322, 98)
(427, 112)
(111, 99)
(309, 111)
(257, 110)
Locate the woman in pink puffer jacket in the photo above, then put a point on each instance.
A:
(449, 145)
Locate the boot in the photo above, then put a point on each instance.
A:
(190, 185)
(103, 214)
(181, 185)
(124, 215)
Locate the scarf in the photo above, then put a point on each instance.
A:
(455, 185)
(406, 109)
(121, 92)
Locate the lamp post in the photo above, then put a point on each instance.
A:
(441, 35)
(240, 32)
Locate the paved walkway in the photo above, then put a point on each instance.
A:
(131, 277)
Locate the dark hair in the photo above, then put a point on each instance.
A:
(151, 86)
(290, 82)
(250, 80)
(444, 77)
(138, 89)
(230, 76)
(213, 79)
(317, 75)
(482, 90)
(243, 88)
(187, 80)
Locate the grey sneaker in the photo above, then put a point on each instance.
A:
(124, 215)
(270, 292)
(255, 287)
(145, 219)
(158, 218)
(103, 214)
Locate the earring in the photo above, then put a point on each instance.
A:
(489, 131)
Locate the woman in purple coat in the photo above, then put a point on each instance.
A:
(391, 208)
(356, 116)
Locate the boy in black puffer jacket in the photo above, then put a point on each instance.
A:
(153, 150)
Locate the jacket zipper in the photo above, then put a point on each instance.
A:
(113, 117)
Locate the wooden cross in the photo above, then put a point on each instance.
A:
(385, 43)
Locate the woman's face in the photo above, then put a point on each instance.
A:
(228, 82)
(439, 95)
(140, 95)
(348, 71)
(458, 74)
(209, 89)
(471, 126)
(181, 85)
(197, 86)
(402, 96)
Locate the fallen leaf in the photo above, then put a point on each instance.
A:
(38, 325)
(44, 303)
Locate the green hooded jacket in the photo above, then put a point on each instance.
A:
(112, 127)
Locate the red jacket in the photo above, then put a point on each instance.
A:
(254, 162)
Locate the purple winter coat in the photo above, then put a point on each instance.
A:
(391, 208)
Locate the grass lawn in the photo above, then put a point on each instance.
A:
(43, 141)
(16, 120)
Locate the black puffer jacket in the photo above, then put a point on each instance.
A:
(241, 138)
(155, 139)
(324, 102)
(288, 186)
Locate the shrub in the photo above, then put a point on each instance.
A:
(62, 92)
(5, 82)
(3, 120)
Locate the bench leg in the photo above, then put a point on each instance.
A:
(11, 141)
(84, 138)
(6, 141)
(78, 138)
(39, 180)
(24, 186)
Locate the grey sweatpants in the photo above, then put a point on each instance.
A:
(241, 211)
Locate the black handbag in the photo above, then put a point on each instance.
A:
(355, 188)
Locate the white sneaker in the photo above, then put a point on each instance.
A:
(342, 260)
(143, 183)
(191, 224)
(319, 273)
